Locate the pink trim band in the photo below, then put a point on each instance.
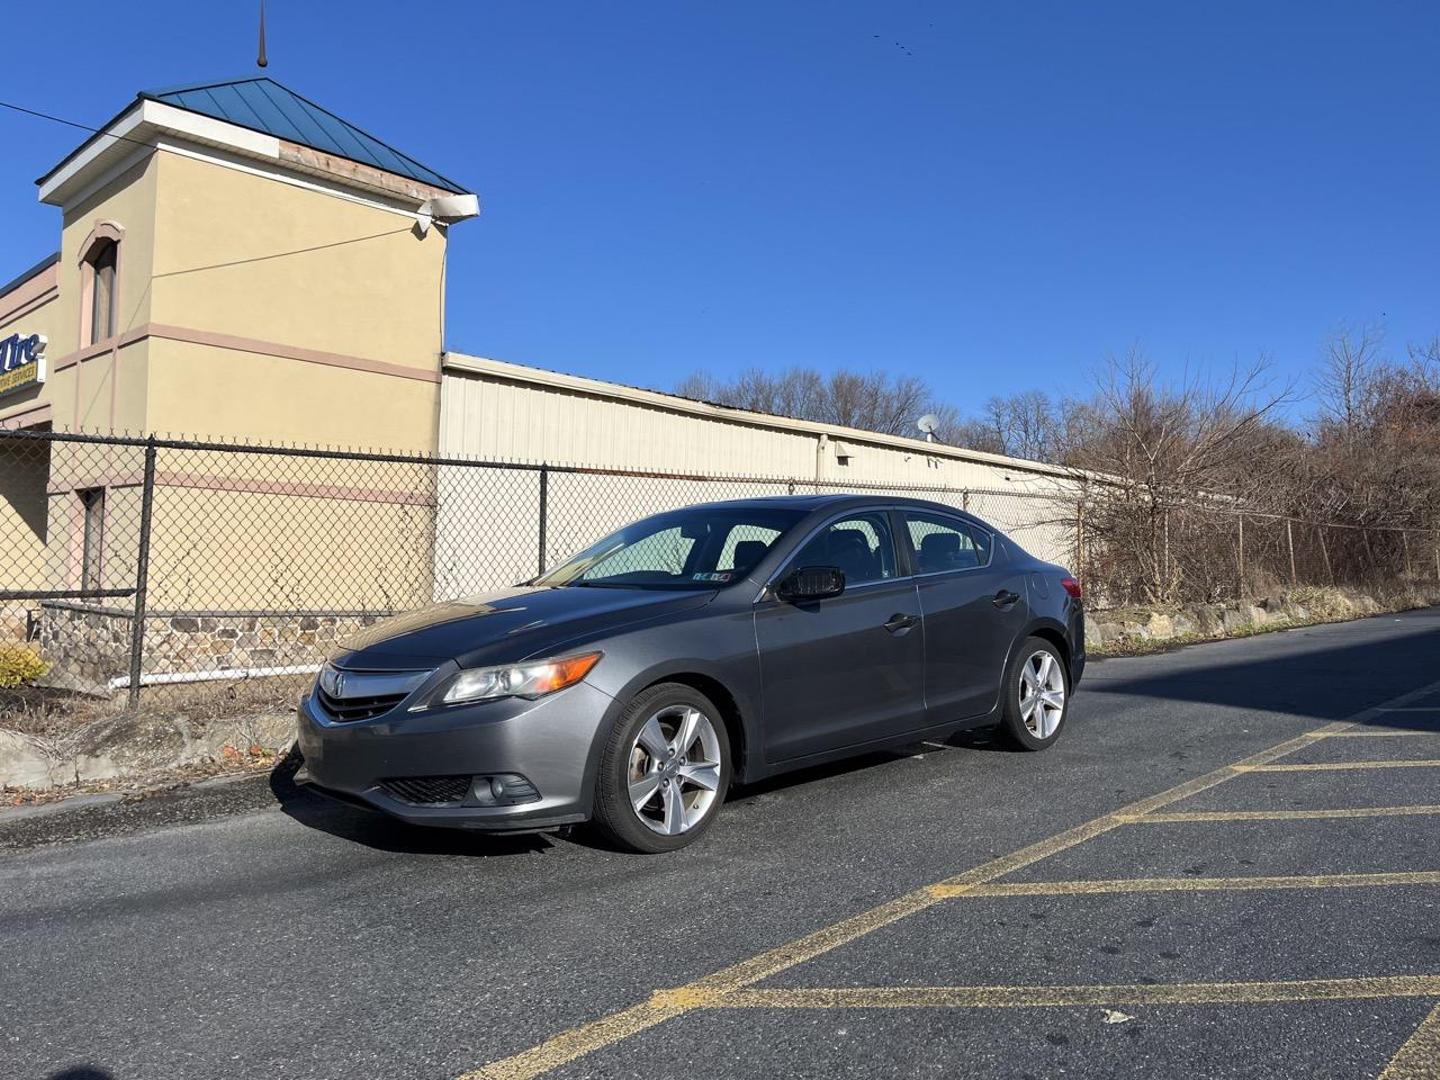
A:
(205, 482)
(31, 293)
(247, 485)
(250, 345)
(291, 352)
(34, 416)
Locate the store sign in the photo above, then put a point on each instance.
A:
(22, 362)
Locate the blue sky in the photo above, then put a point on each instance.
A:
(991, 196)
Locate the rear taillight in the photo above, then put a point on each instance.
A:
(1071, 586)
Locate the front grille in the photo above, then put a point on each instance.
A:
(359, 708)
(430, 790)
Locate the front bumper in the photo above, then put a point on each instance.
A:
(552, 741)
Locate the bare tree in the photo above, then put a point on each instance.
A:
(1162, 448)
(873, 401)
(1345, 387)
(1026, 425)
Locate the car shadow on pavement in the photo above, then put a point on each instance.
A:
(82, 1072)
(376, 830)
(1331, 682)
(988, 738)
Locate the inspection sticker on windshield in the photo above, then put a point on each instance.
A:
(717, 575)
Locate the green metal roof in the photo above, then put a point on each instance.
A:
(261, 104)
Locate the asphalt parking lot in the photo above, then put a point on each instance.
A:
(1229, 867)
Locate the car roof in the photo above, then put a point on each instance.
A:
(831, 501)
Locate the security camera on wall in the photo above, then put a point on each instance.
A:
(447, 209)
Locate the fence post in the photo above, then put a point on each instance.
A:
(1325, 554)
(544, 514)
(1290, 543)
(1080, 539)
(1405, 540)
(1166, 560)
(1240, 587)
(142, 574)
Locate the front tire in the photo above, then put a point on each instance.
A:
(664, 770)
(1036, 696)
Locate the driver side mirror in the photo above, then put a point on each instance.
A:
(811, 583)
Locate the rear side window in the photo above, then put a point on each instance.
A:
(941, 543)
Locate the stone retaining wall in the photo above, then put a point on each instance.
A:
(88, 646)
(1115, 630)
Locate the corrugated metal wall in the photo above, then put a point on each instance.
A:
(501, 412)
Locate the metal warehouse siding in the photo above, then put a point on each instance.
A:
(492, 411)
(499, 411)
(483, 417)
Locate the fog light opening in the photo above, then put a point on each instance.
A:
(502, 789)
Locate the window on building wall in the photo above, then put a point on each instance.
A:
(92, 504)
(102, 290)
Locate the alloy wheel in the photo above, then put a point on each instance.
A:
(1042, 694)
(674, 770)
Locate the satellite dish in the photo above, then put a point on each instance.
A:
(927, 425)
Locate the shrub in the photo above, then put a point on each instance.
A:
(19, 665)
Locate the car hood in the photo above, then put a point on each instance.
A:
(509, 625)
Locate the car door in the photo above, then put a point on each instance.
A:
(973, 604)
(847, 669)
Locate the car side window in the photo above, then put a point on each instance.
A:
(943, 543)
(745, 546)
(860, 545)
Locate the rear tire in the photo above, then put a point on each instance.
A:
(664, 770)
(1036, 696)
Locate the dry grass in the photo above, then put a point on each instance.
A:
(51, 713)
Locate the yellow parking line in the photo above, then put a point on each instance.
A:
(1195, 884)
(1384, 733)
(1419, 1058)
(665, 1005)
(710, 990)
(1032, 997)
(1333, 766)
(1178, 816)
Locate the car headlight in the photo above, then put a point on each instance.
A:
(531, 679)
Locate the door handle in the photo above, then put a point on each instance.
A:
(899, 623)
(1005, 599)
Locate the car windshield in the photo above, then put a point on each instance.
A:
(704, 547)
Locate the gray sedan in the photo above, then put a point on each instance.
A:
(720, 643)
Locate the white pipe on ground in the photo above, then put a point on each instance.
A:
(171, 677)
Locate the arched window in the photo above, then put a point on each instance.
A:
(102, 261)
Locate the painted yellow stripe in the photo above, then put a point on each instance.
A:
(710, 990)
(1333, 766)
(1197, 884)
(1383, 733)
(715, 988)
(1030, 997)
(1179, 816)
(1419, 1058)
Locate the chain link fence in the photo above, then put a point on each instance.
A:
(171, 569)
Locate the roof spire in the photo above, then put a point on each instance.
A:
(261, 60)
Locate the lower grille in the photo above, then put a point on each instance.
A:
(430, 790)
(357, 708)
